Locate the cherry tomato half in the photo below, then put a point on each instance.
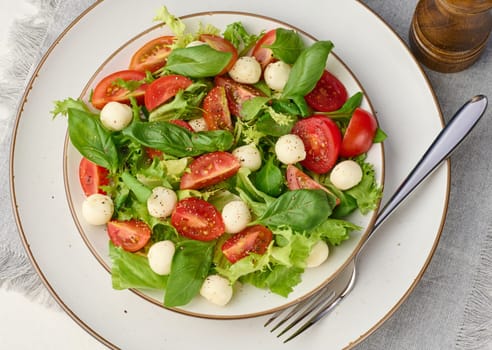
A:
(220, 44)
(236, 93)
(152, 55)
(92, 177)
(322, 140)
(209, 169)
(328, 95)
(108, 90)
(216, 111)
(197, 219)
(264, 55)
(130, 235)
(359, 133)
(163, 89)
(297, 180)
(253, 239)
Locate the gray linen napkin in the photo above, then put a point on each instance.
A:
(452, 305)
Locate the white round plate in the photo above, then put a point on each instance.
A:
(392, 263)
(247, 301)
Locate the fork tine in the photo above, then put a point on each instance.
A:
(325, 308)
(324, 296)
(294, 310)
(328, 305)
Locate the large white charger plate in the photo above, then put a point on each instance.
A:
(248, 301)
(393, 262)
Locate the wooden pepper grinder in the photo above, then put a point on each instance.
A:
(449, 35)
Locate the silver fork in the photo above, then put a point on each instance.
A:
(325, 300)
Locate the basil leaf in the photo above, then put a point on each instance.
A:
(197, 61)
(189, 268)
(211, 141)
(267, 125)
(307, 70)
(380, 136)
(177, 141)
(91, 139)
(287, 46)
(252, 107)
(348, 107)
(299, 209)
(269, 179)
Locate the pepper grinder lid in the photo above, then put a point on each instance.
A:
(450, 35)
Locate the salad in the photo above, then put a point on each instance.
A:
(222, 157)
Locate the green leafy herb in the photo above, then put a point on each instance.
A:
(190, 267)
(288, 45)
(299, 209)
(130, 270)
(141, 192)
(240, 38)
(269, 178)
(348, 107)
(197, 61)
(178, 141)
(307, 70)
(91, 139)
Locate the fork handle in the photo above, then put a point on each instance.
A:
(446, 141)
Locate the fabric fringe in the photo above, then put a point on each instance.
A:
(26, 38)
(23, 56)
(18, 275)
(476, 330)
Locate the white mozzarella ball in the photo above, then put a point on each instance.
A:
(276, 75)
(116, 116)
(161, 202)
(198, 124)
(246, 70)
(97, 209)
(346, 174)
(319, 253)
(196, 43)
(236, 216)
(160, 257)
(217, 290)
(248, 156)
(290, 149)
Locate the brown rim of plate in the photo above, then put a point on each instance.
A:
(183, 310)
(94, 333)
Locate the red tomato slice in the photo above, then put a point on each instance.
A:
(107, 90)
(220, 44)
(197, 219)
(236, 93)
(216, 111)
(182, 123)
(92, 177)
(210, 169)
(130, 235)
(328, 95)
(253, 239)
(264, 55)
(163, 89)
(322, 140)
(152, 55)
(297, 180)
(360, 132)
(153, 153)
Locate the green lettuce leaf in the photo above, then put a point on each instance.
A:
(132, 271)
